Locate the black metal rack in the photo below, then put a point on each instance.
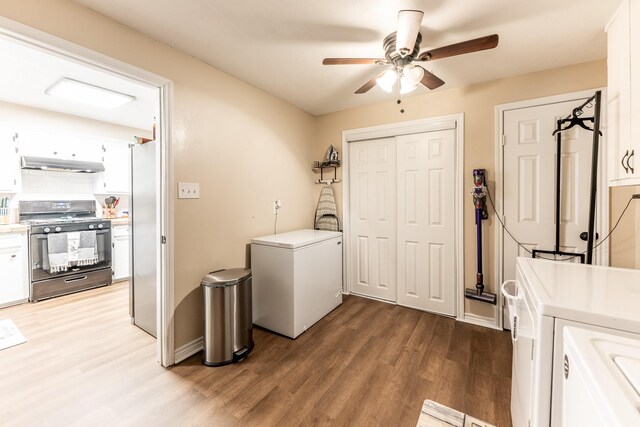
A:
(327, 165)
(572, 120)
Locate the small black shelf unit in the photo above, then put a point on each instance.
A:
(321, 166)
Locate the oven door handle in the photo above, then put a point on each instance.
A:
(75, 279)
(44, 236)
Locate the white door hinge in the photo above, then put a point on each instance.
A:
(163, 240)
(504, 139)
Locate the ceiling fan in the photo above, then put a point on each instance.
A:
(402, 49)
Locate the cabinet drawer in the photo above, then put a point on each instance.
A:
(10, 241)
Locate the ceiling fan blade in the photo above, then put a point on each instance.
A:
(368, 85)
(430, 80)
(354, 61)
(475, 45)
(408, 28)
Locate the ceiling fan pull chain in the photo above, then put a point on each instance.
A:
(399, 86)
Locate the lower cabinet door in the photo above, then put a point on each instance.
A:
(120, 256)
(14, 286)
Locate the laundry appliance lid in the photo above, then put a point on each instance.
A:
(295, 239)
(589, 294)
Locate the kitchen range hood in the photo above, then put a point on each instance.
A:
(61, 165)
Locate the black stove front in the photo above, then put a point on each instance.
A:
(68, 219)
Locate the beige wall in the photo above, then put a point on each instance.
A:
(477, 102)
(24, 117)
(625, 241)
(245, 148)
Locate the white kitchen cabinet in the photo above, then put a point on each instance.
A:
(14, 273)
(623, 94)
(10, 176)
(116, 178)
(58, 146)
(121, 242)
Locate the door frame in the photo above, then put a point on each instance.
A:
(40, 40)
(602, 254)
(453, 121)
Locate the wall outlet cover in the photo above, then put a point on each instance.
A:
(188, 190)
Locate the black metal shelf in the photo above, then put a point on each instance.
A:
(321, 166)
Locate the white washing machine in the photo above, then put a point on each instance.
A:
(546, 298)
(297, 279)
(601, 376)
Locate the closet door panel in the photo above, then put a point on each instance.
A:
(426, 274)
(372, 166)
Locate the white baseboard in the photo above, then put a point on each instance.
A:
(188, 350)
(487, 322)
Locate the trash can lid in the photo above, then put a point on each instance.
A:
(226, 277)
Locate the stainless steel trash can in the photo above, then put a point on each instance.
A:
(228, 326)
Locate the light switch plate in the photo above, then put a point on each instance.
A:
(188, 190)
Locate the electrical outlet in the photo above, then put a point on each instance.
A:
(188, 190)
(276, 206)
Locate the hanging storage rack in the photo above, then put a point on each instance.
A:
(572, 120)
(321, 166)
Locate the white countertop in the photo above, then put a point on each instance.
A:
(13, 228)
(120, 221)
(597, 295)
(295, 239)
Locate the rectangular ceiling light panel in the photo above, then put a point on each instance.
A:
(85, 93)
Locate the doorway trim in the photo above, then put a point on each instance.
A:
(602, 255)
(455, 121)
(37, 39)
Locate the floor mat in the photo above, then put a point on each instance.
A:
(436, 415)
(10, 335)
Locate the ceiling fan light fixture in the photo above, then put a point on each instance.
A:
(411, 76)
(387, 80)
(408, 28)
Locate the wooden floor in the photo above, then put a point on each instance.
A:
(367, 363)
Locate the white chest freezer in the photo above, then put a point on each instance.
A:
(297, 279)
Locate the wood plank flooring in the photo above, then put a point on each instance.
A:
(365, 364)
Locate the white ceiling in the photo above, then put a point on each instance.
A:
(278, 46)
(26, 73)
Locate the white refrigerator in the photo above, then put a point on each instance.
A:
(297, 279)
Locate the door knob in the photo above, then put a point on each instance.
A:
(584, 236)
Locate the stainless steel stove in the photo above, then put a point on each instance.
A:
(56, 270)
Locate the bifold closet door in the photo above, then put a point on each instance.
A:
(372, 175)
(425, 221)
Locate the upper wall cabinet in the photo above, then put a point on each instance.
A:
(10, 177)
(57, 146)
(116, 178)
(623, 103)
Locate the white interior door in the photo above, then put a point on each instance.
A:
(426, 270)
(530, 182)
(372, 169)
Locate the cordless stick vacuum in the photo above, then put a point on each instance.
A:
(479, 193)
